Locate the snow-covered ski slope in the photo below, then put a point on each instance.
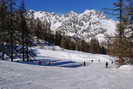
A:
(15, 75)
(55, 52)
(56, 56)
(94, 76)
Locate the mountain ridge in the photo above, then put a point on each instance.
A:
(90, 23)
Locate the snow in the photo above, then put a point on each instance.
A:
(59, 53)
(14, 75)
(94, 76)
(126, 67)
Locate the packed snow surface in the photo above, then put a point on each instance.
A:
(93, 76)
(126, 67)
(59, 53)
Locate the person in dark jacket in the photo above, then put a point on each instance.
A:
(112, 62)
(84, 63)
(107, 64)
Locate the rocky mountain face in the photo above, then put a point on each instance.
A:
(84, 25)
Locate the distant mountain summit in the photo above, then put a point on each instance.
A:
(84, 25)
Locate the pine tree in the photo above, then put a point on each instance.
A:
(11, 27)
(130, 17)
(94, 46)
(119, 13)
(120, 46)
(130, 27)
(25, 34)
(22, 26)
(3, 26)
(58, 38)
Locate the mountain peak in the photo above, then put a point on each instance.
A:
(89, 11)
(83, 25)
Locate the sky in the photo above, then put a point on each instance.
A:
(64, 6)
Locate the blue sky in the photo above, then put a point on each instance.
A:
(64, 6)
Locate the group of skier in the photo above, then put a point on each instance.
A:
(106, 63)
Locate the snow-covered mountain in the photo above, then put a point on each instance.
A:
(82, 25)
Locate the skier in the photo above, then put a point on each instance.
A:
(84, 63)
(91, 60)
(107, 64)
(112, 62)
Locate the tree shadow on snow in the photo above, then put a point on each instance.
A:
(52, 62)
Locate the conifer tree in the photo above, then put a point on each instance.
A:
(11, 27)
(120, 46)
(3, 26)
(94, 46)
(25, 34)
